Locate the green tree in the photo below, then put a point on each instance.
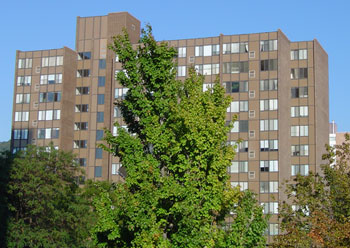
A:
(44, 201)
(175, 154)
(321, 214)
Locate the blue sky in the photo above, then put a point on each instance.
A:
(37, 24)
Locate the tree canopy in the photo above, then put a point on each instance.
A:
(317, 212)
(42, 200)
(175, 153)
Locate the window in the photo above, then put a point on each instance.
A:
(20, 134)
(300, 150)
(269, 165)
(99, 134)
(52, 61)
(22, 98)
(268, 65)
(98, 171)
(273, 229)
(115, 130)
(243, 126)
(299, 92)
(81, 126)
(48, 133)
(82, 91)
(299, 131)
(240, 126)
(198, 51)
(236, 67)
(98, 153)
(24, 63)
(182, 52)
(269, 125)
(81, 108)
(181, 71)
(241, 146)
(24, 80)
(50, 97)
(235, 48)
(242, 185)
(268, 145)
(298, 73)
(268, 45)
(216, 49)
(101, 81)
(239, 167)
(83, 73)
(215, 69)
(199, 69)
(269, 104)
(207, 86)
(268, 84)
(302, 169)
(207, 69)
(117, 112)
(232, 87)
(81, 161)
(51, 79)
(120, 92)
(270, 207)
(304, 209)
(79, 143)
(298, 54)
(100, 99)
(100, 117)
(49, 115)
(115, 168)
(299, 111)
(22, 116)
(102, 64)
(17, 149)
(207, 50)
(84, 55)
(238, 106)
(269, 187)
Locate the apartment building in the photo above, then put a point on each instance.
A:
(279, 90)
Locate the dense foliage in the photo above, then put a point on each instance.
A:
(175, 154)
(43, 203)
(321, 214)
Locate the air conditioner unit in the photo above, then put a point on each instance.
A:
(191, 59)
(251, 174)
(34, 123)
(37, 69)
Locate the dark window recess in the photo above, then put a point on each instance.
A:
(268, 65)
(298, 73)
(232, 87)
(243, 126)
(50, 97)
(81, 126)
(81, 161)
(83, 73)
(299, 92)
(82, 108)
(82, 90)
(84, 55)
